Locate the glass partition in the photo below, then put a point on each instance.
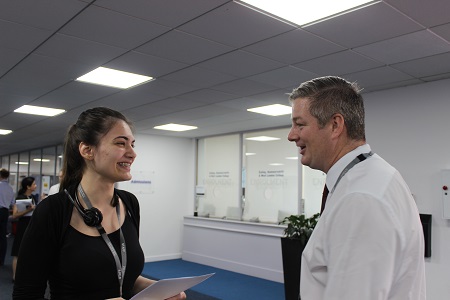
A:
(270, 164)
(312, 188)
(13, 171)
(49, 173)
(218, 177)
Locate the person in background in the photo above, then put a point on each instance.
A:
(6, 202)
(55, 188)
(85, 240)
(368, 243)
(22, 210)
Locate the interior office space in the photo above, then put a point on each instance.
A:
(212, 60)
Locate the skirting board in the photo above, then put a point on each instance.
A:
(162, 257)
(273, 275)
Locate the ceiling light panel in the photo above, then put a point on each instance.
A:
(175, 127)
(272, 110)
(39, 110)
(114, 78)
(262, 138)
(302, 12)
(5, 131)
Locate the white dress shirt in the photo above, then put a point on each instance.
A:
(368, 243)
(53, 189)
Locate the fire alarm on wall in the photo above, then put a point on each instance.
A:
(445, 177)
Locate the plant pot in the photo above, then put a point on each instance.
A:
(291, 250)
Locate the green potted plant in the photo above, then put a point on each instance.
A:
(296, 235)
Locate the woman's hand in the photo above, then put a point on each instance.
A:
(180, 296)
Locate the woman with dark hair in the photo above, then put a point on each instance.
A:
(22, 210)
(85, 239)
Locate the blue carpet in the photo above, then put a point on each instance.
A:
(224, 284)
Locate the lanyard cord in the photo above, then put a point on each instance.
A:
(357, 160)
(121, 267)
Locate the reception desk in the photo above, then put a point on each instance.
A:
(244, 247)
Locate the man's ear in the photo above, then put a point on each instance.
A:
(86, 151)
(338, 124)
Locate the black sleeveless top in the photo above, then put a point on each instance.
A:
(86, 269)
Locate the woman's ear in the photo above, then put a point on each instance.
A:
(86, 151)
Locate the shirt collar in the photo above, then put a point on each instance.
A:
(340, 165)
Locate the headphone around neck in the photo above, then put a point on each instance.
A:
(91, 216)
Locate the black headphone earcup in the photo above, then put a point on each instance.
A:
(92, 217)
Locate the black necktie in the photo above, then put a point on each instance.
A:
(324, 198)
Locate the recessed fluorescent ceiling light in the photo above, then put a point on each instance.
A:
(250, 153)
(175, 127)
(39, 110)
(114, 78)
(43, 159)
(262, 138)
(292, 157)
(21, 163)
(276, 164)
(303, 12)
(5, 131)
(272, 110)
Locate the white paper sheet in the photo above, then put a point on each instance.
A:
(166, 288)
(22, 205)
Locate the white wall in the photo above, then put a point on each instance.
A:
(410, 128)
(169, 164)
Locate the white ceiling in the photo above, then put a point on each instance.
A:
(212, 59)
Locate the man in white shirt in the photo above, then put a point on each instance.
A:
(55, 188)
(368, 243)
(6, 201)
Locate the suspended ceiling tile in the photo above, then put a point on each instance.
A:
(166, 12)
(392, 85)
(144, 64)
(74, 94)
(15, 121)
(21, 37)
(443, 31)
(11, 102)
(79, 50)
(429, 13)
(377, 77)
(112, 28)
(9, 58)
(146, 111)
(194, 49)
(286, 77)
(436, 77)
(280, 96)
(166, 88)
(127, 99)
(407, 47)
(38, 75)
(427, 66)
(240, 63)
(235, 25)
(200, 112)
(49, 15)
(365, 26)
(339, 63)
(198, 77)
(243, 87)
(178, 103)
(294, 46)
(207, 96)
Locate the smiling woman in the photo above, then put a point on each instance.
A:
(89, 223)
